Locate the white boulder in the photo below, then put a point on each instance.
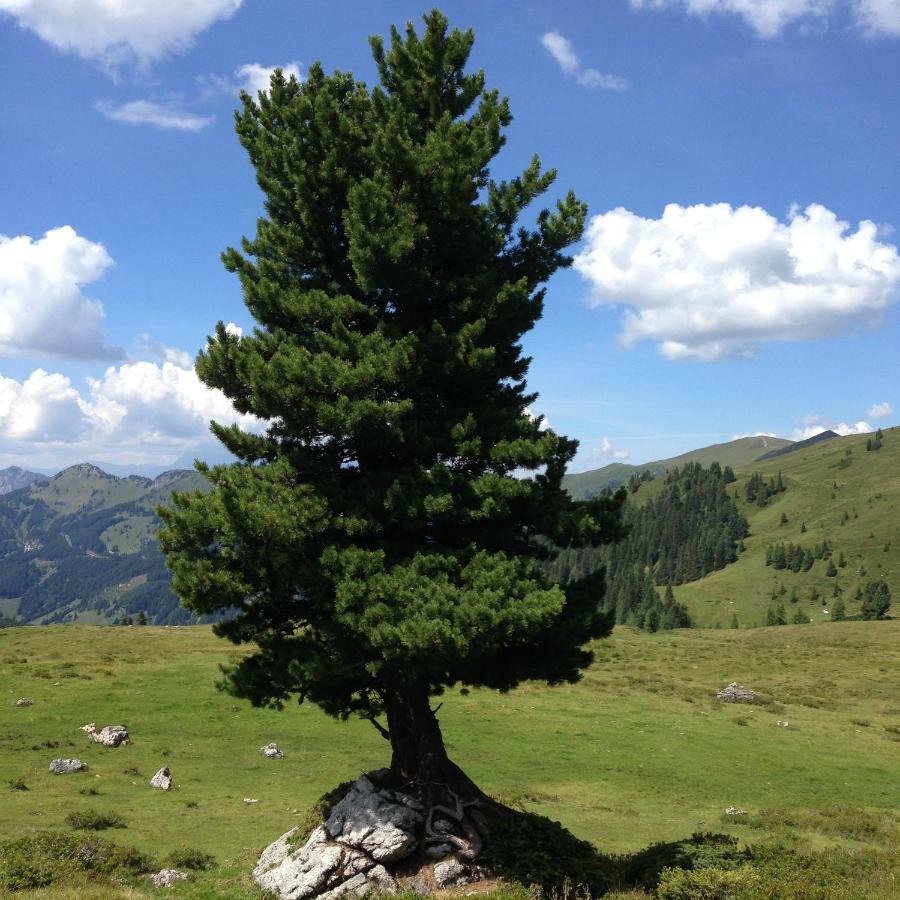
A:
(162, 779)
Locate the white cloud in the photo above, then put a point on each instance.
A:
(115, 31)
(160, 115)
(876, 18)
(561, 50)
(545, 422)
(737, 437)
(137, 413)
(234, 330)
(711, 282)
(42, 308)
(254, 78)
(811, 425)
(879, 18)
(879, 410)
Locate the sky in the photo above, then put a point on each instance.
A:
(739, 273)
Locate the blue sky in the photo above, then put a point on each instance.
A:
(725, 285)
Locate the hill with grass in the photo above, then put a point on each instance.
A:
(638, 752)
(81, 547)
(740, 452)
(838, 496)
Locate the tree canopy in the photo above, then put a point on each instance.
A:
(381, 536)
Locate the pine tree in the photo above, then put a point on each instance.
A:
(377, 540)
(838, 610)
(831, 571)
(876, 600)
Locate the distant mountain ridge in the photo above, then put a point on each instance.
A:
(739, 452)
(14, 479)
(800, 445)
(81, 546)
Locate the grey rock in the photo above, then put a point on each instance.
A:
(90, 728)
(271, 751)
(66, 766)
(737, 693)
(734, 811)
(109, 735)
(167, 877)
(375, 821)
(438, 851)
(162, 779)
(24, 701)
(320, 868)
(452, 873)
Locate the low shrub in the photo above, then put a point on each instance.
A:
(704, 850)
(534, 850)
(51, 857)
(189, 858)
(92, 820)
(709, 884)
(17, 784)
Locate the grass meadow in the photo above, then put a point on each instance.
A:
(638, 752)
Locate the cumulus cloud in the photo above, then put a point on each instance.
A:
(137, 413)
(813, 424)
(714, 281)
(879, 18)
(879, 410)
(768, 18)
(563, 52)
(42, 307)
(159, 115)
(115, 31)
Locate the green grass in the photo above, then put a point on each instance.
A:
(860, 517)
(638, 752)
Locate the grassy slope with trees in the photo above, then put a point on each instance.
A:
(638, 751)
(740, 452)
(843, 494)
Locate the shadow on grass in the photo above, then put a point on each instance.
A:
(531, 849)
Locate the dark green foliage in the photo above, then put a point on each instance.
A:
(759, 491)
(831, 571)
(784, 519)
(775, 615)
(382, 538)
(92, 820)
(800, 618)
(876, 442)
(794, 557)
(52, 857)
(17, 784)
(190, 858)
(876, 600)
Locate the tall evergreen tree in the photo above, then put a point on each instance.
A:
(379, 540)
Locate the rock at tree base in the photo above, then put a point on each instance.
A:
(452, 873)
(271, 750)
(737, 693)
(66, 766)
(109, 735)
(320, 868)
(167, 877)
(24, 701)
(162, 779)
(379, 822)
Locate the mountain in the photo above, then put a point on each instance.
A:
(14, 478)
(740, 452)
(81, 546)
(800, 445)
(838, 495)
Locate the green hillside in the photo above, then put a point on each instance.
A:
(740, 452)
(81, 547)
(638, 751)
(842, 494)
